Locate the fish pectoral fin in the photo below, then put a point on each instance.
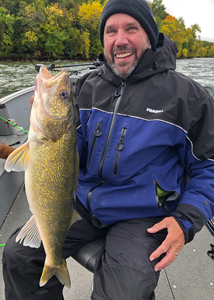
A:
(29, 234)
(44, 140)
(61, 273)
(75, 217)
(18, 159)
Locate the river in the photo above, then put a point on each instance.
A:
(15, 76)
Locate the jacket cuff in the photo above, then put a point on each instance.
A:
(190, 219)
(185, 225)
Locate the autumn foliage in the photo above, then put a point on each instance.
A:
(43, 29)
(187, 39)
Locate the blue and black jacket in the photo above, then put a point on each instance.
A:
(139, 139)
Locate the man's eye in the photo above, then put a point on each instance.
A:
(111, 31)
(132, 28)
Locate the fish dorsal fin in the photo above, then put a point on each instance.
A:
(29, 234)
(18, 159)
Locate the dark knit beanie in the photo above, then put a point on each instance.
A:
(138, 9)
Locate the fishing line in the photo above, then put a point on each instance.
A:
(14, 125)
(58, 70)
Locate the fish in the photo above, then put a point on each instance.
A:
(51, 164)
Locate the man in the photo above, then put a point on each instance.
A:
(141, 126)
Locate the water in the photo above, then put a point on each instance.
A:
(18, 75)
(199, 69)
(15, 76)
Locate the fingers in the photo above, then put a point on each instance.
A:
(171, 246)
(158, 226)
(171, 255)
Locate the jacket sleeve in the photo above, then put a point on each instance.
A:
(197, 203)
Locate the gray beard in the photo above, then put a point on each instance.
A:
(123, 76)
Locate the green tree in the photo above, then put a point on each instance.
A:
(159, 11)
(72, 43)
(32, 16)
(6, 32)
(53, 32)
(193, 42)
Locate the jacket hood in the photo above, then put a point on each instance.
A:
(151, 63)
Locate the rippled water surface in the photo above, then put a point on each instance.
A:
(15, 76)
(199, 69)
(18, 75)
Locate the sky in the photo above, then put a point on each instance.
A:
(199, 12)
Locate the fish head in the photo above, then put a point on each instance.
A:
(52, 109)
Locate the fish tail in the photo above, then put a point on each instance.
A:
(61, 272)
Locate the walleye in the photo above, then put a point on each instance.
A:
(51, 164)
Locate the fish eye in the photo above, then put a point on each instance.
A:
(64, 94)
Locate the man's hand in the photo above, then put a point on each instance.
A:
(31, 101)
(5, 150)
(173, 243)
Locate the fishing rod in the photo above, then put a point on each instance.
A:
(52, 67)
(13, 125)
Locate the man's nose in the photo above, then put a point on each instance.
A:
(121, 38)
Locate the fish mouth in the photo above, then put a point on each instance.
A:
(45, 76)
(46, 86)
(44, 73)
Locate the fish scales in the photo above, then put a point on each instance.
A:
(50, 161)
(45, 207)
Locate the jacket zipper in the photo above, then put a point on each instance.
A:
(120, 146)
(172, 196)
(97, 133)
(118, 94)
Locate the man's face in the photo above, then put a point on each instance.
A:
(124, 43)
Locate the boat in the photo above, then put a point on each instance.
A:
(190, 277)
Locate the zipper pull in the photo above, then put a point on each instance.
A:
(97, 131)
(120, 146)
(166, 210)
(118, 93)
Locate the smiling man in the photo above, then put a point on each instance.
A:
(127, 28)
(141, 126)
(125, 42)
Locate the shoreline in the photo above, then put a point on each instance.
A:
(39, 61)
(73, 61)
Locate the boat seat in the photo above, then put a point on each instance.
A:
(87, 254)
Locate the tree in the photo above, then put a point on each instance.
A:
(6, 32)
(53, 33)
(159, 11)
(31, 17)
(192, 41)
(89, 19)
(70, 29)
(173, 28)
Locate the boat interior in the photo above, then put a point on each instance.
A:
(190, 277)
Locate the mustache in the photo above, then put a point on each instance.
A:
(122, 48)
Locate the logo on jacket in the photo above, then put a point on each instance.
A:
(154, 111)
